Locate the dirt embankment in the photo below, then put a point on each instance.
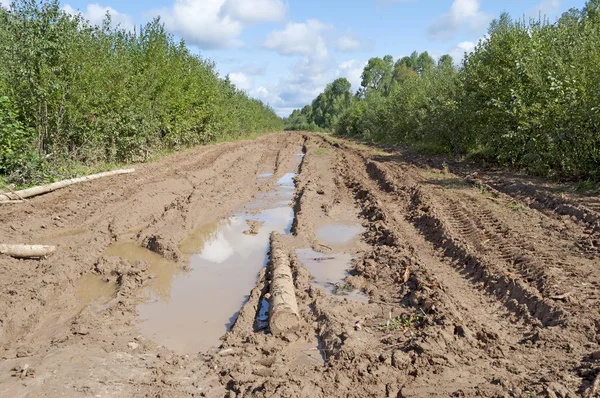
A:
(474, 284)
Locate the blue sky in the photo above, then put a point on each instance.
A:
(285, 52)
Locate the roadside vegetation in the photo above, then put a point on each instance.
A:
(526, 97)
(76, 97)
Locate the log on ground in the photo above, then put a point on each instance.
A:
(39, 190)
(283, 311)
(27, 251)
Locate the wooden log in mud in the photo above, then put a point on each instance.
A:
(27, 251)
(283, 311)
(34, 191)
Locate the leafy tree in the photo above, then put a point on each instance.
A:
(75, 92)
(377, 75)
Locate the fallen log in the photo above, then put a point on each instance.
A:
(34, 191)
(283, 309)
(2, 202)
(27, 251)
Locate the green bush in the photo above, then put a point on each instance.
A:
(96, 94)
(527, 97)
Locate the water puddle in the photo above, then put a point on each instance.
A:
(329, 271)
(92, 289)
(339, 234)
(262, 318)
(163, 271)
(264, 177)
(226, 257)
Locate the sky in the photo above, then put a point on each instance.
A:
(284, 52)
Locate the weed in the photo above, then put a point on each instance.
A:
(342, 289)
(515, 206)
(585, 186)
(318, 151)
(484, 190)
(401, 322)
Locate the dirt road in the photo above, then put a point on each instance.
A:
(460, 282)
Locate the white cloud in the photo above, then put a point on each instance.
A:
(351, 70)
(458, 51)
(304, 38)
(462, 12)
(95, 13)
(200, 23)
(5, 3)
(241, 81)
(350, 42)
(218, 23)
(307, 79)
(254, 11)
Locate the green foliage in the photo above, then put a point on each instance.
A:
(526, 97)
(325, 110)
(74, 92)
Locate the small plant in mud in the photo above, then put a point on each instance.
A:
(515, 206)
(484, 190)
(446, 168)
(585, 186)
(318, 151)
(404, 322)
(342, 289)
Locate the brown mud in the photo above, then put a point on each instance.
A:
(413, 277)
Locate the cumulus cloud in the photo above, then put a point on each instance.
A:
(315, 67)
(462, 13)
(241, 81)
(351, 70)
(307, 80)
(350, 42)
(254, 11)
(458, 51)
(5, 3)
(95, 13)
(212, 24)
(299, 38)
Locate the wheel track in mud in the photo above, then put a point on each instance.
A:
(472, 226)
(586, 213)
(463, 313)
(452, 224)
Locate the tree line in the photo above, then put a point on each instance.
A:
(74, 93)
(527, 96)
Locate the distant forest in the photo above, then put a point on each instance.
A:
(528, 96)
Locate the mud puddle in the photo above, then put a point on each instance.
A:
(329, 271)
(91, 289)
(227, 256)
(163, 271)
(339, 234)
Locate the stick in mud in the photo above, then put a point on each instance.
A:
(283, 313)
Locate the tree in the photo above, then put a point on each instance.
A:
(377, 75)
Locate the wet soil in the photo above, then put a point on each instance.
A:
(414, 276)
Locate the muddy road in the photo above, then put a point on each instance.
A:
(412, 276)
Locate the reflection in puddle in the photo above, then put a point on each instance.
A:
(91, 289)
(329, 272)
(339, 234)
(262, 318)
(264, 176)
(224, 265)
